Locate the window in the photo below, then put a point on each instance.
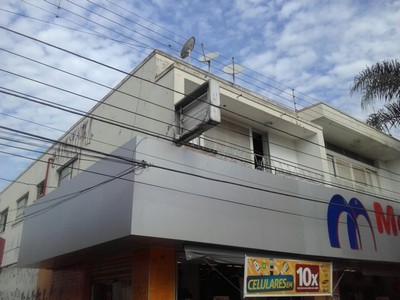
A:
(3, 220)
(331, 165)
(65, 173)
(21, 204)
(261, 151)
(343, 169)
(40, 190)
(351, 171)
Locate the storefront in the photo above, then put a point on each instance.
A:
(187, 235)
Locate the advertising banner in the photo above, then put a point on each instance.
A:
(281, 277)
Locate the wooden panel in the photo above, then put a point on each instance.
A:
(162, 281)
(154, 274)
(63, 284)
(140, 275)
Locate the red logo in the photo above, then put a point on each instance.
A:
(307, 278)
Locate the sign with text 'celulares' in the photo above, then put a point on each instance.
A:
(279, 277)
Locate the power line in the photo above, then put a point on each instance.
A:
(84, 114)
(296, 196)
(118, 124)
(164, 36)
(307, 140)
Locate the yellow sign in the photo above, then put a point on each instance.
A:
(278, 277)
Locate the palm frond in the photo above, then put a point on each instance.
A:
(378, 82)
(386, 117)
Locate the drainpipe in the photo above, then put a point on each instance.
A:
(46, 179)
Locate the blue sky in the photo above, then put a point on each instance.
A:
(313, 47)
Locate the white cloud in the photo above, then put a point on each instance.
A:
(315, 47)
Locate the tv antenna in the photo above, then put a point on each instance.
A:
(208, 57)
(188, 47)
(233, 69)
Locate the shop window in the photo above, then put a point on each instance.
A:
(3, 220)
(21, 204)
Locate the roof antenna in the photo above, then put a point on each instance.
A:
(58, 8)
(208, 57)
(233, 69)
(294, 103)
(188, 47)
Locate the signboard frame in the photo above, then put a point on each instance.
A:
(197, 112)
(277, 277)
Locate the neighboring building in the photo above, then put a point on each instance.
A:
(152, 196)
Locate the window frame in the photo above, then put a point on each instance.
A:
(369, 172)
(40, 189)
(68, 176)
(260, 162)
(20, 211)
(3, 220)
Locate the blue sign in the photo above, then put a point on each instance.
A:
(353, 209)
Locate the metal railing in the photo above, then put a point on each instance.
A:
(286, 169)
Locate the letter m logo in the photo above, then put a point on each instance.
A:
(353, 209)
(387, 221)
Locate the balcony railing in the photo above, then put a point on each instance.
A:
(286, 169)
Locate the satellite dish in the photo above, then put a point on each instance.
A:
(188, 47)
(208, 57)
(233, 69)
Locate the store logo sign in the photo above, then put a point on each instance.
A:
(353, 209)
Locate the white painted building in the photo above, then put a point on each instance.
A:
(123, 185)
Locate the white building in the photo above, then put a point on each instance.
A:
(154, 196)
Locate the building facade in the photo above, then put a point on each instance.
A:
(165, 187)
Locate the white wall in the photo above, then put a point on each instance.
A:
(17, 284)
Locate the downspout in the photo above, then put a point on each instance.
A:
(49, 162)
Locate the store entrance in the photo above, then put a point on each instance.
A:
(358, 286)
(205, 281)
(112, 290)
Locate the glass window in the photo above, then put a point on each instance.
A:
(372, 178)
(343, 169)
(331, 165)
(261, 151)
(21, 204)
(40, 190)
(65, 173)
(352, 172)
(3, 220)
(360, 176)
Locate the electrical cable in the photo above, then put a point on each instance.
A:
(108, 122)
(114, 68)
(96, 100)
(150, 29)
(169, 169)
(169, 109)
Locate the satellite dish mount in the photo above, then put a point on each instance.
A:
(233, 69)
(208, 57)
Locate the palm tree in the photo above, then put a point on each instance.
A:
(380, 82)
